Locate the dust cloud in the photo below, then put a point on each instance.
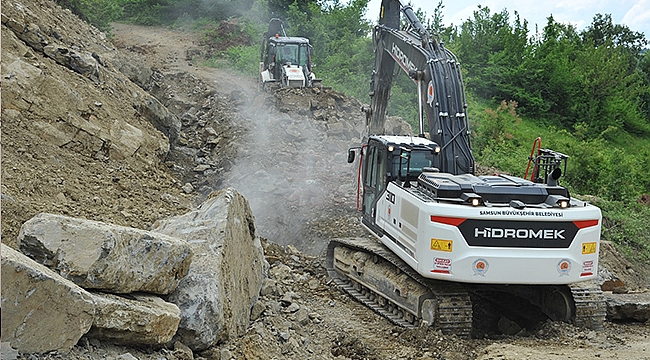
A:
(292, 164)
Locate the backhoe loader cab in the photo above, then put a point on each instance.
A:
(285, 60)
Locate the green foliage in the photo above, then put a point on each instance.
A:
(244, 58)
(99, 13)
(597, 77)
(626, 224)
(166, 12)
(598, 169)
(342, 51)
(491, 50)
(494, 141)
(403, 100)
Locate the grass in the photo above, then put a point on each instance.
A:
(613, 173)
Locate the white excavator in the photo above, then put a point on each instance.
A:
(285, 61)
(445, 240)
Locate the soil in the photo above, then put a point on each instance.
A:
(305, 197)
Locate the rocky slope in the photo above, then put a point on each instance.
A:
(130, 131)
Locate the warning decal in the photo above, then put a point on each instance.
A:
(589, 248)
(587, 268)
(441, 266)
(441, 245)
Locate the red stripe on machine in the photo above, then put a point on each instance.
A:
(441, 271)
(581, 224)
(447, 220)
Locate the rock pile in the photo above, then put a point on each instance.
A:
(35, 92)
(193, 278)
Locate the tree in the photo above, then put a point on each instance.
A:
(603, 31)
(338, 32)
(491, 51)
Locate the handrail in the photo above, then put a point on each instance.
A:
(537, 141)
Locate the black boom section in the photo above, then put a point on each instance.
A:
(381, 79)
(436, 73)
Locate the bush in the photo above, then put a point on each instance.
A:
(99, 13)
(626, 224)
(244, 59)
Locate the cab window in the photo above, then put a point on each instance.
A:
(288, 53)
(419, 160)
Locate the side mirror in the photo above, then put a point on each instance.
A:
(351, 156)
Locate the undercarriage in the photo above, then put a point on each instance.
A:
(376, 277)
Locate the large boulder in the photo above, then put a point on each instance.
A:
(632, 306)
(108, 257)
(41, 311)
(227, 270)
(134, 319)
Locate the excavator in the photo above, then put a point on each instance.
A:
(446, 241)
(285, 61)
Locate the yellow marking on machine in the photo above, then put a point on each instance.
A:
(441, 245)
(589, 248)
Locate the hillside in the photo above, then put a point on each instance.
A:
(140, 133)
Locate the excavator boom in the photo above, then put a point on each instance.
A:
(435, 72)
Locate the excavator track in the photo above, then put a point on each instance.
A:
(590, 305)
(446, 306)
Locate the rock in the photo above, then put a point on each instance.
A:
(615, 271)
(83, 63)
(292, 308)
(41, 311)
(507, 326)
(160, 117)
(97, 255)
(7, 352)
(631, 306)
(133, 319)
(182, 352)
(257, 310)
(313, 284)
(611, 285)
(227, 270)
(126, 356)
(188, 188)
(136, 71)
(287, 298)
(201, 167)
(226, 354)
(302, 316)
(282, 272)
(269, 287)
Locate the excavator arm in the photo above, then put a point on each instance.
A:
(436, 73)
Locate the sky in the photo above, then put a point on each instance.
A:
(633, 13)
